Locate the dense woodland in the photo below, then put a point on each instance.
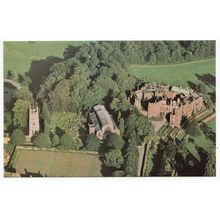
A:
(93, 73)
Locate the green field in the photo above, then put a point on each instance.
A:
(176, 74)
(56, 164)
(18, 55)
(212, 124)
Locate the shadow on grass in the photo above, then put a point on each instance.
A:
(40, 69)
(207, 78)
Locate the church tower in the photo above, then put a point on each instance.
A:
(34, 124)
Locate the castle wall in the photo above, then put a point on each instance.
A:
(183, 106)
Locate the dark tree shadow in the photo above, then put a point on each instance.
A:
(40, 69)
(70, 51)
(208, 132)
(59, 132)
(31, 174)
(159, 160)
(212, 96)
(192, 85)
(207, 79)
(191, 166)
(107, 171)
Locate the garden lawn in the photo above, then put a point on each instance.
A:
(57, 164)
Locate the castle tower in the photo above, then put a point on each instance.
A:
(34, 124)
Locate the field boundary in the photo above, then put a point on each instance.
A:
(169, 65)
(56, 150)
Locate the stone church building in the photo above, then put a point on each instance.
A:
(101, 122)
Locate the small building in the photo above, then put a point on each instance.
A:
(101, 122)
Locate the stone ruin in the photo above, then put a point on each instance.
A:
(161, 100)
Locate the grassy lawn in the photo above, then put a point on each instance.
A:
(192, 149)
(212, 124)
(56, 164)
(176, 74)
(18, 55)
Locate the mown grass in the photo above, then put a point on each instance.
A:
(56, 163)
(176, 74)
(212, 124)
(18, 55)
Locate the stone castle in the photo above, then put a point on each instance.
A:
(101, 122)
(158, 100)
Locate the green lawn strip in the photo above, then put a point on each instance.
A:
(204, 143)
(212, 124)
(191, 147)
(203, 116)
(180, 135)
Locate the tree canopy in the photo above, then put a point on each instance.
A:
(114, 158)
(42, 140)
(17, 137)
(20, 111)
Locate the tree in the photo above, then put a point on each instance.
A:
(131, 158)
(193, 129)
(42, 140)
(60, 96)
(92, 142)
(7, 120)
(94, 96)
(24, 94)
(120, 103)
(114, 158)
(20, 111)
(55, 140)
(170, 149)
(118, 173)
(45, 113)
(152, 58)
(208, 102)
(122, 126)
(17, 137)
(70, 142)
(114, 141)
(138, 126)
(79, 88)
(202, 88)
(210, 167)
(67, 122)
(46, 127)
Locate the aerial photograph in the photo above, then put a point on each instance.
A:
(109, 108)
